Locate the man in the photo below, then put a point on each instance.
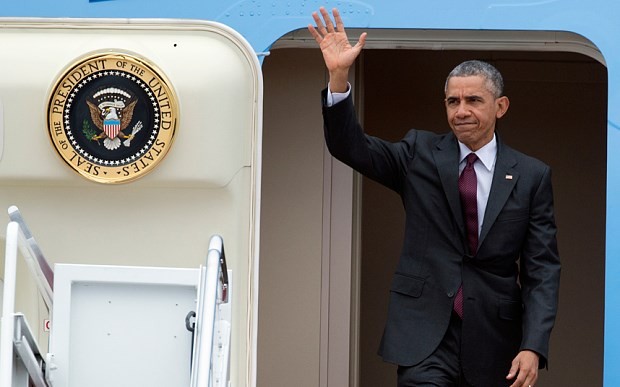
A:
(474, 296)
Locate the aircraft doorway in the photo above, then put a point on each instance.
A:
(329, 243)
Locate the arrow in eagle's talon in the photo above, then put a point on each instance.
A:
(135, 130)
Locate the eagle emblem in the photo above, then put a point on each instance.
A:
(96, 109)
(111, 111)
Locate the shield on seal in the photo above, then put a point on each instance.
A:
(111, 127)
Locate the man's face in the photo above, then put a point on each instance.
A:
(472, 110)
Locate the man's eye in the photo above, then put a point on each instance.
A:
(452, 102)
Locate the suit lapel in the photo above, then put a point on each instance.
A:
(446, 156)
(504, 180)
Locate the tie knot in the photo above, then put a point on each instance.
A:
(471, 159)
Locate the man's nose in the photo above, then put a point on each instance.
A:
(462, 110)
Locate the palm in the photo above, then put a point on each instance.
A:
(333, 41)
(337, 51)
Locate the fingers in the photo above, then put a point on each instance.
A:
(319, 24)
(525, 382)
(513, 370)
(361, 42)
(327, 19)
(320, 31)
(338, 19)
(325, 25)
(525, 368)
(315, 33)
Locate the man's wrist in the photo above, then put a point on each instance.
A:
(338, 81)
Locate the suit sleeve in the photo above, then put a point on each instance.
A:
(380, 160)
(540, 272)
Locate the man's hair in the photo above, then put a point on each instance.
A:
(493, 77)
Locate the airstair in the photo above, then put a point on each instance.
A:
(116, 325)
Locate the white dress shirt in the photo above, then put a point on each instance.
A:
(334, 98)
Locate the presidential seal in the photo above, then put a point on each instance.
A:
(112, 117)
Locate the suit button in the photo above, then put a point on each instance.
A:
(450, 294)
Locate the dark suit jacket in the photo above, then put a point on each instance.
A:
(510, 286)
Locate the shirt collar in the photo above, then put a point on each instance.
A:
(486, 154)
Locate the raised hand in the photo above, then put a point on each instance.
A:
(338, 53)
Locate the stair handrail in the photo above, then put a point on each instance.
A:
(213, 290)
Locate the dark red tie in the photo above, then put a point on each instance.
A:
(468, 187)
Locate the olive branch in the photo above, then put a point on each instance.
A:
(89, 132)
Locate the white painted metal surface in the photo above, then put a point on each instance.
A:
(128, 321)
(21, 360)
(211, 345)
(8, 306)
(1, 129)
(209, 182)
(119, 325)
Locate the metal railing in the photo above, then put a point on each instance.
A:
(23, 365)
(210, 363)
(20, 358)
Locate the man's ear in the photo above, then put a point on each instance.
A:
(502, 104)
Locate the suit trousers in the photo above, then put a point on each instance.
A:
(443, 367)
